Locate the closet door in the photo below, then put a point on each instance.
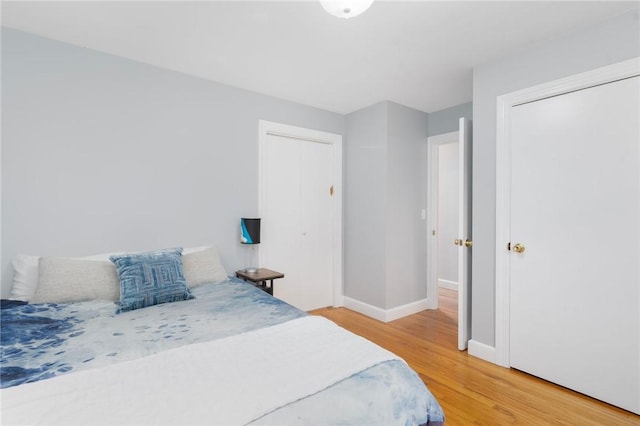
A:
(298, 219)
(575, 241)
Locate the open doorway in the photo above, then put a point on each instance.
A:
(443, 215)
(449, 220)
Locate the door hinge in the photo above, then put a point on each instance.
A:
(331, 191)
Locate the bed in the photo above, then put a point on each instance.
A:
(227, 353)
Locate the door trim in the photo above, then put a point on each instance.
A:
(278, 129)
(505, 102)
(433, 143)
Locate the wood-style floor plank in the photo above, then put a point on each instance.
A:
(470, 390)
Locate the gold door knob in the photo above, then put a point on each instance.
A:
(519, 248)
(458, 242)
(468, 243)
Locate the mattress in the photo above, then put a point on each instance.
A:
(231, 341)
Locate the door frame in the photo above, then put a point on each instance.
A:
(433, 144)
(505, 102)
(267, 128)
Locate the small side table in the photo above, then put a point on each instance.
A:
(260, 278)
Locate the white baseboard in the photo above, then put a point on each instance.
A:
(406, 310)
(451, 285)
(364, 308)
(482, 351)
(385, 315)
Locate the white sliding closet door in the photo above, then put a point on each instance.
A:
(298, 218)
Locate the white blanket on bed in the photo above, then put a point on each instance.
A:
(229, 381)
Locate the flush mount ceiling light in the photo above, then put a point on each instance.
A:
(345, 8)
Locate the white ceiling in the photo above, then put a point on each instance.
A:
(419, 54)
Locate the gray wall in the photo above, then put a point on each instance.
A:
(365, 211)
(385, 250)
(613, 41)
(406, 232)
(102, 154)
(446, 120)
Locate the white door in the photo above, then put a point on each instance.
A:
(461, 220)
(298, 218)
(464, 240)
(575, 213)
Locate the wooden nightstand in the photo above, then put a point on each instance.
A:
(260, 278)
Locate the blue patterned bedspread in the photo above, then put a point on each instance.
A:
(42, 341)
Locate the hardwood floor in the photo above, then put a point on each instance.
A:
(470, 390)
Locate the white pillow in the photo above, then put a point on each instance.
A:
(203, 267)
(25, 277)
(25, 274)
(62, 280)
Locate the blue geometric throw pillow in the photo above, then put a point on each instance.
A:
(151, 278)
